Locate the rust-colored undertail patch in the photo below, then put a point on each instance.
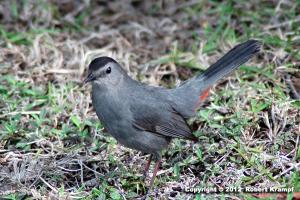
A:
(202, 97)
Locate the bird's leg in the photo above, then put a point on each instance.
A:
(147, 167)
(157, 164)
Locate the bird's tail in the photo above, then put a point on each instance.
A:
(194, 91)
(229, 62)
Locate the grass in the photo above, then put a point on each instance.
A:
(53, 146)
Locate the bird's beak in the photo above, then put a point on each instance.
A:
(89, 78)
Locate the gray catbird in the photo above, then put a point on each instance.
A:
(146, 118)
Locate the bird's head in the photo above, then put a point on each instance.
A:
(104, 70)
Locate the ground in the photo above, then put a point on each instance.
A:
(52, 146)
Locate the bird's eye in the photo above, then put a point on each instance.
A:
(108, 70)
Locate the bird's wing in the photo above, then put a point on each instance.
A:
(161, 119)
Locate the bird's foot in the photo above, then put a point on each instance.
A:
(147, 168)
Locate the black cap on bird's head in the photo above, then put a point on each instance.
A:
(100, 62)
(99, 67)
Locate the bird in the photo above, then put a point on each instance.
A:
(146, 118)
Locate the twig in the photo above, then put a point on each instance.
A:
(20, 112)
(2, 151)
(61, 71)
(288, 170)
(92, 170)
(282, 24)
(69, 170)
(48, 184)
(8, 192)
(297, 144)
(287, 79)
(81, 171)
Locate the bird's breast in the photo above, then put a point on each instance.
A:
(112, 112)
